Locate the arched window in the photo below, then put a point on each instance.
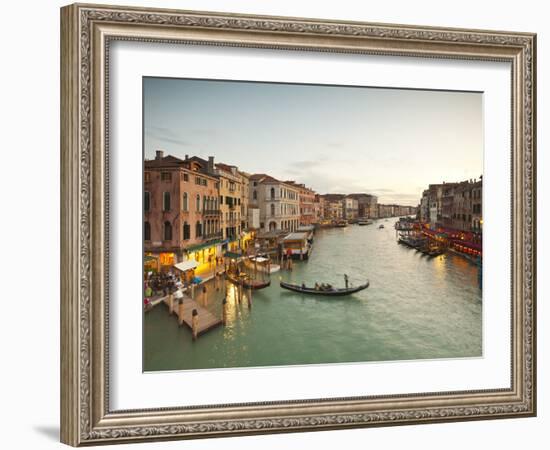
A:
(198, 202)
(254, 195)
(167, 231)
(147, 231)
(272, 192)
(185, 202)
(272, 209)
(198, 229)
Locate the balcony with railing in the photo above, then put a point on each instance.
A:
(211, 212)
(212, 236)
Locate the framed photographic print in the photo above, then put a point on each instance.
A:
(276, 224)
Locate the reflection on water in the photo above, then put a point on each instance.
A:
(416, 307)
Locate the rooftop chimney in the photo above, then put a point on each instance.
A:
(186, 157)
(159, 154)
(210, 164)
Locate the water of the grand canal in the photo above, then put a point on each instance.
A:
(416, 307)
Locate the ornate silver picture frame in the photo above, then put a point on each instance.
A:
(87, 32)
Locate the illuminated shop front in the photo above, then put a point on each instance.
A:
(233, 246)
(158, 262)
(204, 255)
(463, 242)
(151, 263)
(468, 248)
(166, 260)
(246, 238)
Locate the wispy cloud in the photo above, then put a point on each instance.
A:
(204, 132)
(382, 190)
(165, 135)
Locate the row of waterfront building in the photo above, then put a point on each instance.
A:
(455, 206)
(200, 208)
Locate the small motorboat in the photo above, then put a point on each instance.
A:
(381, 226)
(328, 291)
(362, 222)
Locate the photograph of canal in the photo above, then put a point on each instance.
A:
(290, 224)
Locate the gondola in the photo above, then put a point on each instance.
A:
(328, 292)
(247, 283)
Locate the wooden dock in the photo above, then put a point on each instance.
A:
(183, 309)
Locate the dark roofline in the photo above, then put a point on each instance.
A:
(167, 161)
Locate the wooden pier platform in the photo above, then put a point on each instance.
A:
(206, 320)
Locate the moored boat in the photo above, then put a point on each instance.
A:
(363, 222)
(431, 250)
(261, 263)
(247, 283)
(329, 291)
(412, 241)
(296, 245)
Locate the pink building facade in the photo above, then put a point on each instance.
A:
(181, 207)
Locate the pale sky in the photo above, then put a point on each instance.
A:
(388, 142)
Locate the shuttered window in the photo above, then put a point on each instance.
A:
(147, 231)
(166, 201)
(147, 201)
(167, 231)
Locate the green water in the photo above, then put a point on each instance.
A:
(415, 308)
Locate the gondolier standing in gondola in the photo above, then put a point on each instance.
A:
(346, 279)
